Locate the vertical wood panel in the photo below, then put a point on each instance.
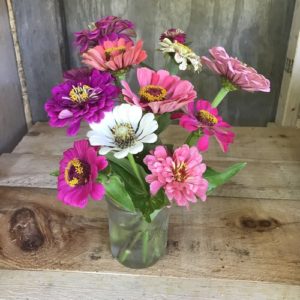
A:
(40, 33)
(255, 31)
(12, 119)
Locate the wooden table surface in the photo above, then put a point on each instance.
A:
(243, 243)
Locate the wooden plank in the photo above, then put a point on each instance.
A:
(12, 119)
(229, 238)
(64, 285)
(259, 179)
(40, 34)
(289, 99)
(251, 143)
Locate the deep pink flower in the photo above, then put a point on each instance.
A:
(238, 73)
(205, 117)
(109, 28)
(78, 172)
(115, 55)
(85, 95)
(159, 91)
(180, 175)
(174, 34)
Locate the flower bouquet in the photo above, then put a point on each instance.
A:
(123, 157)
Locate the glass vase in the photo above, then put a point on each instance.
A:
(134, 242)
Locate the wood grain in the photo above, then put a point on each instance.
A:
(64, 285)
(12, 119)
(251, 143)
(258, 180)
(209, 241)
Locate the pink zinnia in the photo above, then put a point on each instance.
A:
(115, 55)
(78, 173)
(180, 175)
(238, 73)
(205, 117)
(159, 91)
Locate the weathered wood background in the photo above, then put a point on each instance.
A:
(256, 31)
(12, 120)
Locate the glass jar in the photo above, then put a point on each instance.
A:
(134, 242)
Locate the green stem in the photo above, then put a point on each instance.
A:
(136, 170)
(220, 96)
(125, 251)
(145, 245)
(192, 138)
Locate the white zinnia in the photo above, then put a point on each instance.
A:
(183, 55)
(123, 131)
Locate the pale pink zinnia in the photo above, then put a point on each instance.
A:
(202, 116)
(236, 72)
(115, 55)
(180, 175)
(159, 91)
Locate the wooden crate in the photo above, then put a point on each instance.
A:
(243, 243)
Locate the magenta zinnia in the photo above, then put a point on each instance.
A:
(179, 174)
(159, 91)
(202, 116)
(234, 72)
(109, 28)
(78, 172)
(174, 34)
(84, 95)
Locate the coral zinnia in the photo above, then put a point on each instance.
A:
(85, 95)
(180, 175)
(205, 117)
(237, 73)
(78, 172)
(115, 55)
(123, 131)
(109, 28)
(159, 91)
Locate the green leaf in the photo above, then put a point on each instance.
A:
(216, 178)
(142, 200)
(115, 189)
(54, 173)
(163, 121)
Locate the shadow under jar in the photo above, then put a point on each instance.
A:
(134, 242)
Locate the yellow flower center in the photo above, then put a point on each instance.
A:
(77, 172)
(114, 50)
(207, 118)
(79, 94)
(180, 172)
(152, 93)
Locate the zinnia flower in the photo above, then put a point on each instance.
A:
(78, 172)
(115, 55)
(109, 28)
(159, 91)
(123, 131)
(180, 175)
(205, 117)
(182, 54)
(237, 73)
(85, 95)
(174, 34)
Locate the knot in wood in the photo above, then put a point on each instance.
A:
(24, 230)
